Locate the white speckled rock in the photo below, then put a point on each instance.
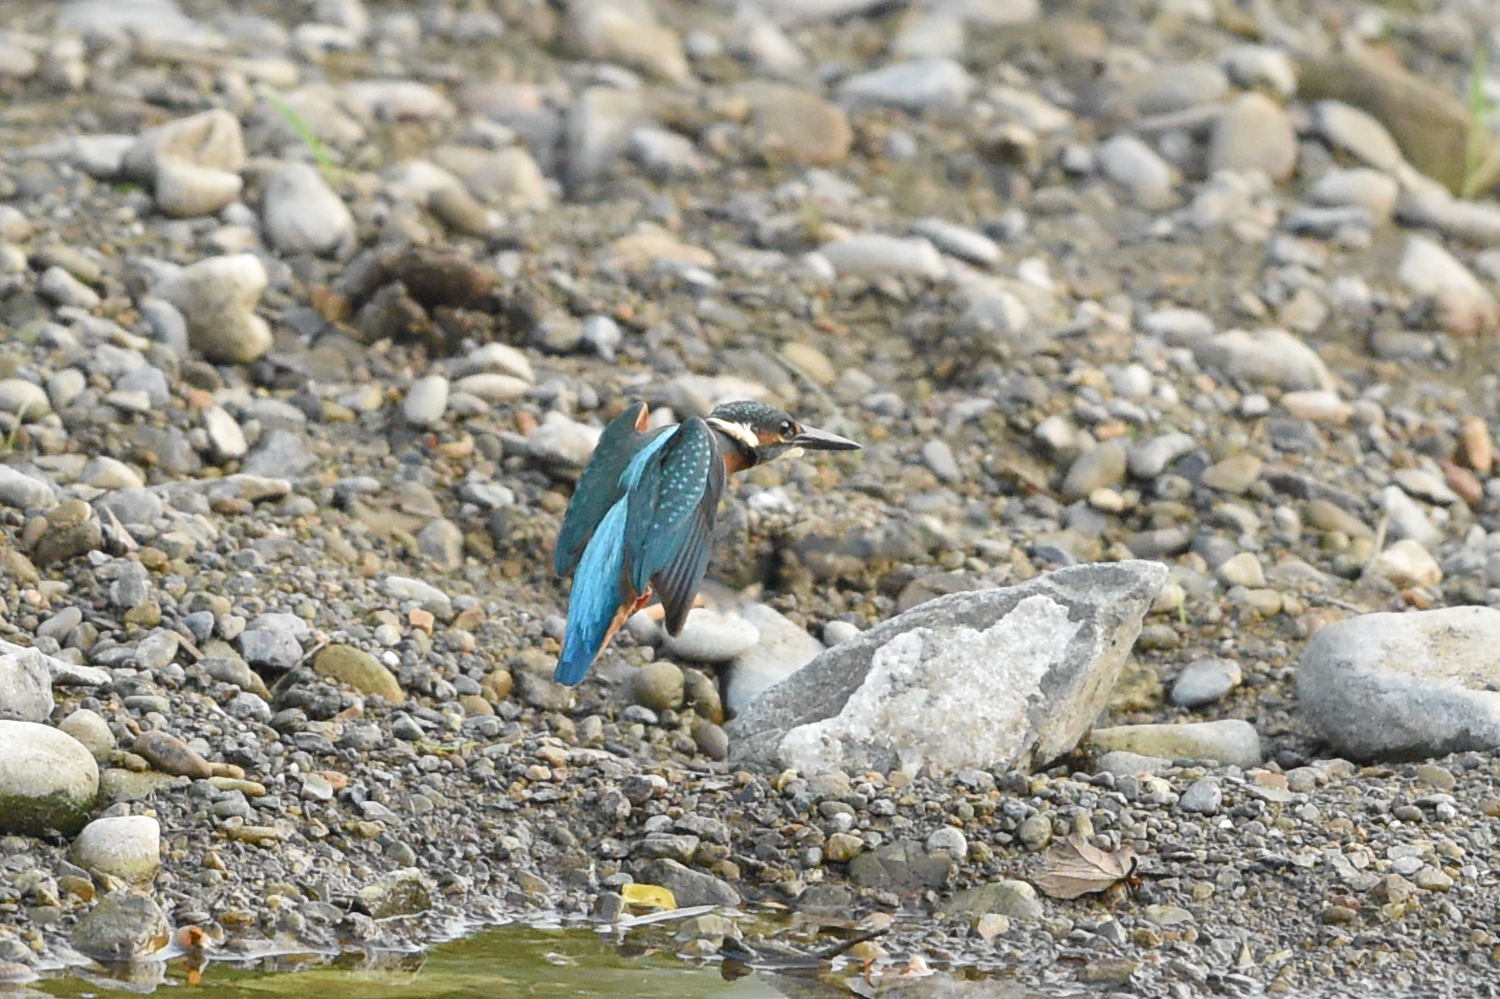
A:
(709, 636)
(48, 779)
(125, 846)
(1404, 686)
(1226, 741)
(958, 681)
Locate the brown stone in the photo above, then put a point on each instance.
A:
(800, 128)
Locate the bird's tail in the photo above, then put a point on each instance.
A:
(598, 593)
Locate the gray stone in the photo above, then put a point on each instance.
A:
(1008, 677)
(270, 648)
(25, 686)
(1202, 797)
(302, 213)
(225, 435)
(122, 927)
(48, 779)
(127, 847)
(783, 649)
(1015, 899)
(57, 285)
(904, 867)
(1404, 686)
(91, 730)
(22, 491)
(688, 887)
(598, 129)
(1358, 133)
(1204, 681)
(405, 892)
(1126, 764)
(1226, 741)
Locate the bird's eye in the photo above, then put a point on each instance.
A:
(787, 427)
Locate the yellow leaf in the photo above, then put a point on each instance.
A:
(648, 896)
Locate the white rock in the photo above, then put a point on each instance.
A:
(957, 681)
(224, 434)
(127, 847)
(1204, 681)
(875, 255)
(217, 297)
(19, 490)
(1407, 519)
(302, 213)
(1228, 741)
(1260, 65)
(782, 649)
(426, 401)
(627, 32)
(1318, 405)
(1413, 685)
(48, 780)
(1463, 305)
(563, 440)
(500, 357)
(710, 636)
(25, 399)
(1273, 357)
(1254, 133)
(1369, 189)
(1354, 131)
(1405, 564)
(913, 86)
(1137, 168)
(91, 730)
(493, 387)
(960, 241)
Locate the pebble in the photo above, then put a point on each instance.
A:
(1204, 681)
(303, 215)
(48, 779)
(1404, 564)
(217, 297)
(659, 686)
(427, 401)
(1135, 166)
(57, 285)
(91, 731)
(874, 255)
(357, 668)
(1462, 304)
(1354, 131)
(1203, 797)
(960, 241)
(1254, 133)
(914, 85)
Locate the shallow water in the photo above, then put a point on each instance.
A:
(499, 963)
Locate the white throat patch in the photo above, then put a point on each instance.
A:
(738, 431)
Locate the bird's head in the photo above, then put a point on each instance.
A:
(763, 432)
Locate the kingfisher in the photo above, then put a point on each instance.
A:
(641, 520)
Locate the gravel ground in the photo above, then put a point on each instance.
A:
(310, 314)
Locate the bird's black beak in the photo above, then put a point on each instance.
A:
(821, 440)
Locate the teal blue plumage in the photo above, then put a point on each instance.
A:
(654, 533)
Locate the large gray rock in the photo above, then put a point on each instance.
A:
(783, 649)
(48, 780)
(1003, 678)
(1404, 686)
(123, 927)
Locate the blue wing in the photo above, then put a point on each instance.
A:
(598, 591)
(673, 492)
(599, 487)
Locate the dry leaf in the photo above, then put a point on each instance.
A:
(1074, 867)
